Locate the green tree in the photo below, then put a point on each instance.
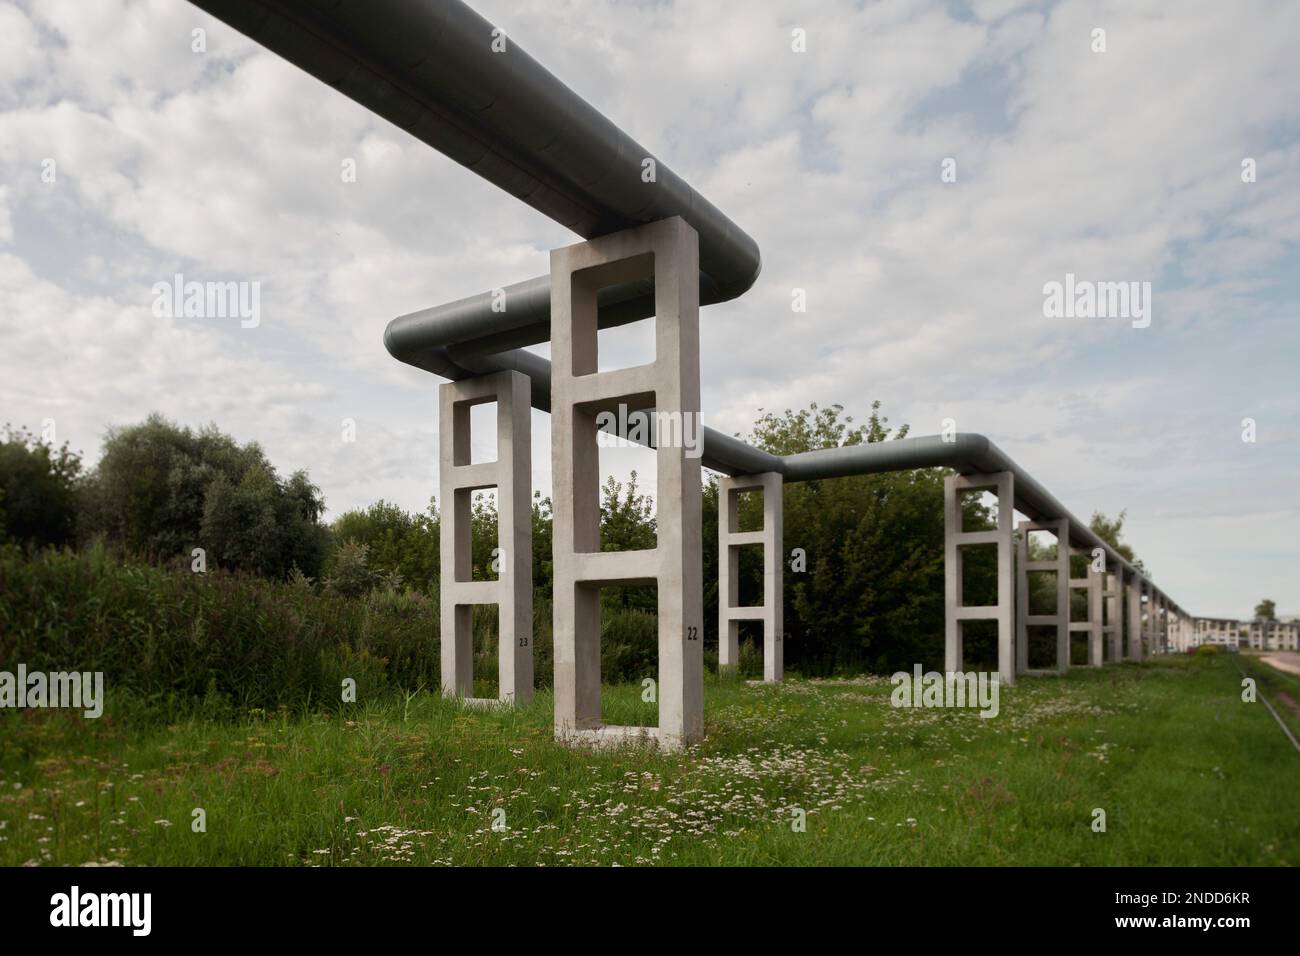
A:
(1112, 532)
(1266, 610)
(38, 490)
(161, 489)
(263, 526)
(398, 542)
(627, 523)
(350, 573)
(872, 593)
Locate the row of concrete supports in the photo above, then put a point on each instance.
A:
(1119, 604)
(667, 253)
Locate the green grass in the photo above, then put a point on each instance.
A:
(1281, 688)
(1186, 773)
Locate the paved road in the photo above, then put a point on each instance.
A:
(1288, 661)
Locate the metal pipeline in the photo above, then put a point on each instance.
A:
(445, 75)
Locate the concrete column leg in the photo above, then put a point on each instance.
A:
(1149, 625)
(1003, 484)
(1114, 625)
(1133, 630)
(668, 388)
(512, 592)
(730, 540)
(1096, 625)
(1059, 567)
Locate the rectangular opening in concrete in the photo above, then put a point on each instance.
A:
(749, 662)
(979, 578)
(629, 655)
(1080, 613)
(749, 575)
(1042, 646)
(626, 345)
(979, 645)
(474, 425)
(1042, 592)
(1041, 546)
(979, 509)
(1079, 564)
(627, 506)
(748, 503)
(483, 432)
(480, 534)
(1078, 648)
(486, 630)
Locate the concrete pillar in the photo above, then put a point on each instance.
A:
(1060, 567)
(1150, 629)
(1003, 484)
(668, 252)
(1092, 585)
(730, 541)
(1133, 587)
(512, 592)
(1162, 622)
(1113, 625)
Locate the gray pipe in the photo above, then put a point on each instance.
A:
(430, 68)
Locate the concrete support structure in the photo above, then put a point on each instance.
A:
(1092, 586)
(512, 592)
(1133, 619)
(1161, 647)
(1113, 624)
(1003, 484)
(668, 252)
(1058, 566)
(1153, 622)
(730, 540)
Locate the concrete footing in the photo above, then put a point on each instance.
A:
(668, 252)
(730, 540)
(512, 592)
(1002, 483)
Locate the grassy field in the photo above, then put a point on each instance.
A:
(1185, 772)
(1281, 688)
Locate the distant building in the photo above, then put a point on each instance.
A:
(1225, 632)
(1274, 635)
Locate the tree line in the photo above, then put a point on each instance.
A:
(863, 581)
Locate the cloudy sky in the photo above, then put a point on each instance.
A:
(1123, 165)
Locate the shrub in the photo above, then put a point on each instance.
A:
(38, 499)
(169, 635)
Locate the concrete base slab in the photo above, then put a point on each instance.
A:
(484, 703)
(614, 736)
